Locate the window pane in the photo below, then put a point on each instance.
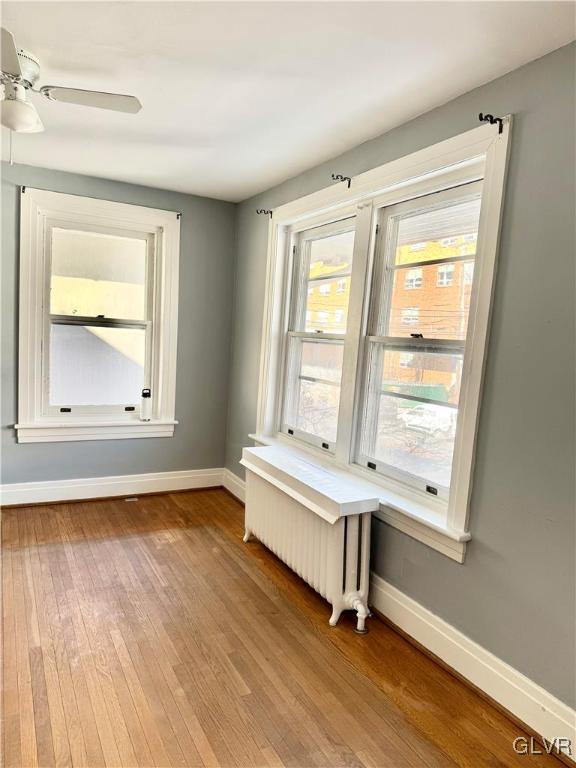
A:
(440, 233)
(314, 371)
(317, 410)
(328, 286)
(431, 375)
(415, 437)
(331, 255)
(96, 366)
(97, 274)
(438, 308)
(321, 360)
(407, 434)
(327, 305)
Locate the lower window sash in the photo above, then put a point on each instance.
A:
(407, 430)
(311, 398)
(316, 441)
(95, 367)
(413, 482)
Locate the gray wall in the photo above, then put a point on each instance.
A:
(206, 259)
(515, 593)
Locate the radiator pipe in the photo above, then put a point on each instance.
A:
(362, 613)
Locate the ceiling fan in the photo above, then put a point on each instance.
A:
(19, 73)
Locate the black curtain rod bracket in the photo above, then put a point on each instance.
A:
(339, 177)
(265, 211)
(492, 120)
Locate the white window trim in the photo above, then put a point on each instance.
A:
(37, 208)
(480, 153)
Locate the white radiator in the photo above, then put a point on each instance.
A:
(315, 521)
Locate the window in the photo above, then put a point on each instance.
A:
(409, 316)
(445, 275)
(96, 279)
(315, 339)
(409, 422)
(413, 279)
(386, 384)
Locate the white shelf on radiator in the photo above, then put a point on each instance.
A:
(316, 519)
(329, 493)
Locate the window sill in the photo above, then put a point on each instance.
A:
(56, 432)
(414, 518)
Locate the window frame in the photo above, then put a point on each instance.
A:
(478, 154)
(147, 324)
(42, 211)
(378, 336)
(296, 304)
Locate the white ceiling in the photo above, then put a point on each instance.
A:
(239, 96)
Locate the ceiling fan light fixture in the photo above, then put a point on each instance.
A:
(19, 115)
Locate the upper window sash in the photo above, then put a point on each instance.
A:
(392, 265)
(114, 237)
(308, 282)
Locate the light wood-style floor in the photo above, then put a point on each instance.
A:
(144, 633)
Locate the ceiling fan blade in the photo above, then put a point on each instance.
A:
(115, 101)
(10, 61)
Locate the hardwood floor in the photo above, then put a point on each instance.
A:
(144, 633)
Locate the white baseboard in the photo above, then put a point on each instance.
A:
(234, 484)
(529, 702)
(119, 485)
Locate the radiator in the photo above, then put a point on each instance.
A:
(323, 534)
